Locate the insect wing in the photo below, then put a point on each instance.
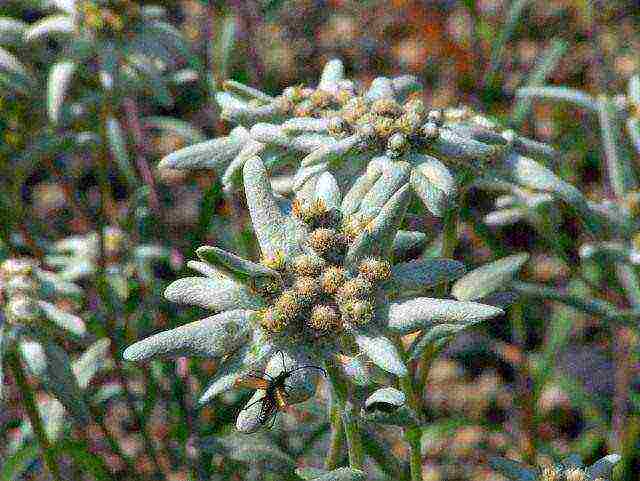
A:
(251, 382)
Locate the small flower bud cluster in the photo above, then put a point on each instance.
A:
(318, 297)
(386, 123)
(299, 101)
(18, 291)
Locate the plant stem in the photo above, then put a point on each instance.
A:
(351, 429)
(527, 402)
(337, 435)
(449, 233)
(28, 398)
(133, 121)
(413, 435)
(104, 294)
(449, 241)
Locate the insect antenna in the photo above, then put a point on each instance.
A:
(309, 367)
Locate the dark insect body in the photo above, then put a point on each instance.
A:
(276, 391)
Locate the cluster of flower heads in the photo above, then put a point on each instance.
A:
(315, 294)
(340, 127)
(331, 281)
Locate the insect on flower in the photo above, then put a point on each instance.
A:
(276, 391)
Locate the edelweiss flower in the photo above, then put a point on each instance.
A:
(572, 469)
(326, 286)
(340, 128)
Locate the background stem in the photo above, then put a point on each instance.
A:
(28, 398)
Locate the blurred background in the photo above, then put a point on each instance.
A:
(532, 385)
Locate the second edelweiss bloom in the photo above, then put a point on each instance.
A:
(326, 286)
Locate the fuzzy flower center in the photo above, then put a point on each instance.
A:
(316, 296)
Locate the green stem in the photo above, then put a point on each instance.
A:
(449, 233)
(413, 435)
(337, 436)
(28, 398)
(351, 429)
(449, 241)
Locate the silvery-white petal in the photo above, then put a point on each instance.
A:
(387, 395)
(275, 135)
(464, 151)
(488, 278)
(420, 275)
(215, 294)
(382, 352)
(254, 355)
(513, 470)
(206, 269)
(298, 125)
(212, 154)
(477, 132)
(603, 467)
(249, 419)
(380, 88)
(234, 265)
(52, 24)
(362, 185)
(232, 177)
(282, 184)
(235, 109)
(377, 238)
(211, 337)
(387, 185)
(332, 151)
(529, 147)
(423, 312)
(405, 85)
(246, 91)
(332, 73)
(434, 183)
(276, 231)
(306, 177)
(327, 191)
(388, 406)
(407, 242)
